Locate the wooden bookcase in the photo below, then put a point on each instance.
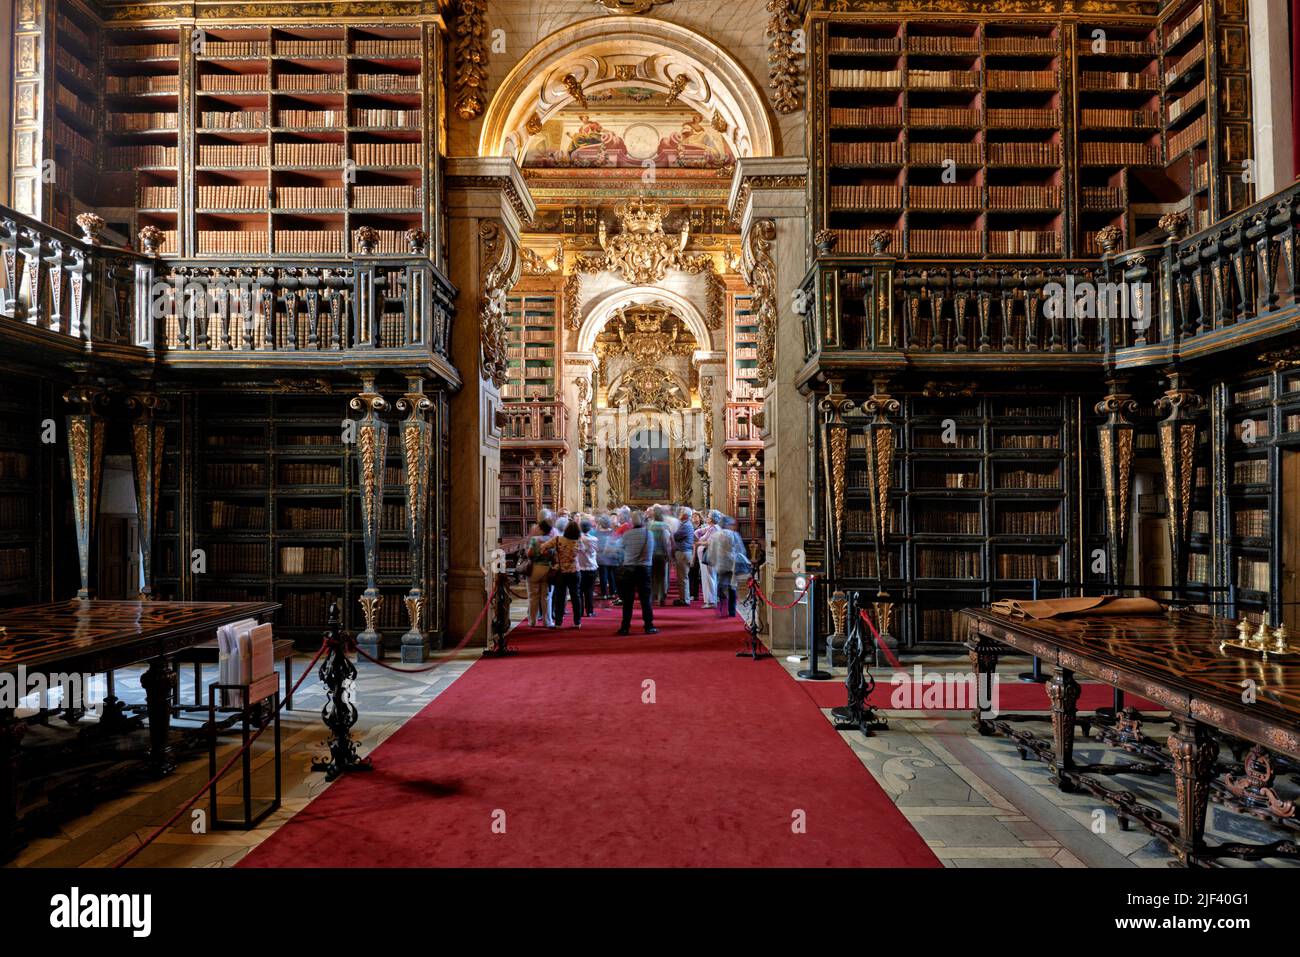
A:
(267, 491)
(982, 504)
(533, 310)
(743, 337)
(75, 116)
(25, 476)
(1001, 137)
(142, 184)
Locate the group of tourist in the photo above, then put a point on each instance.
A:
(627, 555)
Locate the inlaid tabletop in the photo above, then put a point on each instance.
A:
(1178, 651)
(64, 633)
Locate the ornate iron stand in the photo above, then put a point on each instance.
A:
(756, 649)
(338, 674)
(856, 713)
(500, 646)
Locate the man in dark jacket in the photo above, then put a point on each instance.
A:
(634, 577)
(683, 552)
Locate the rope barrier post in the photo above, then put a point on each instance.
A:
(755, 649)
(859, 683)
(1035, 674)
(338, 674)
(812, 672)
(499, 647)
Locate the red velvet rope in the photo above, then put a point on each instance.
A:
(423, 668)
(753, 581)
(128, 857)
(893, 659)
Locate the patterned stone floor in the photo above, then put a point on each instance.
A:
(971, 798)
(978, 804)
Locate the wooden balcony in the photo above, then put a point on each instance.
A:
(535, 424)
(743, 428)
(292, 314)
(1230, 287)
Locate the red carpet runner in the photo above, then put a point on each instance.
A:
(558, 743)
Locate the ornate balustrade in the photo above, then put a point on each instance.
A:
(1231, 285)
(78, 292)
(369, 303)
(742, 424)
(534, 422)
(58, 289)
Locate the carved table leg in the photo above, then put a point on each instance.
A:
(1063, 691)
(11, 733)
(158, 682)
(984, 659)
(1194, 752)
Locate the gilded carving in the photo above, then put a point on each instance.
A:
(645, 333)
(783, 59)
(500, 271)
(629, 6)
(642, 253)
(649, 387)
(471, 59)
(760, 274)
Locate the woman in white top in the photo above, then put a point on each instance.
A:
(708, 577)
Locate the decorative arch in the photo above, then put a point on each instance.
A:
(616, 50)
(603, 309)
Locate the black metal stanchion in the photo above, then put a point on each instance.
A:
(859, 682)
(500, 647)
(755, 649)
(812, 672)
(338, 674)
(1035, 674)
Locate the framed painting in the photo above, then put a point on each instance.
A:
(649, 472)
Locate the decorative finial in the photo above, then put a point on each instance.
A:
(1109, 238)
(416, 240)
(151, 240)
(825, 241)
(91, 226)
(367, 240)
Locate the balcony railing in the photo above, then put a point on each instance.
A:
(256, 311)
(533, 421)
(79, 292)
(299, 306)
(1232, 284)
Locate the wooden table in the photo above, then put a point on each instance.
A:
(94, 637)
(1174, 660)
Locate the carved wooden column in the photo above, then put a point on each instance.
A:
(487, 203)
(1115, 443)
(1179, 433)
(147, 457)
(372, 454)
(417, 455)
(835, 462)
(85, 465)
(879, 406)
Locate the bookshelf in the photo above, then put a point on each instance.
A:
(533, 332)
(744, 349)
(75, 117)
(277, 510)
(267, 139)
(142, 130)
(24, 490)
(998, 138)
(981, 505)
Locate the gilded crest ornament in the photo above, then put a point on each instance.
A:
(645, 333)
(642, 252)
(629, 6)
(648, 387)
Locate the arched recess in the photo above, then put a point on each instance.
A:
(602, 310)
(618, 50)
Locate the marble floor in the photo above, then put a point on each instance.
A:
(977, 804)
(971, 798)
